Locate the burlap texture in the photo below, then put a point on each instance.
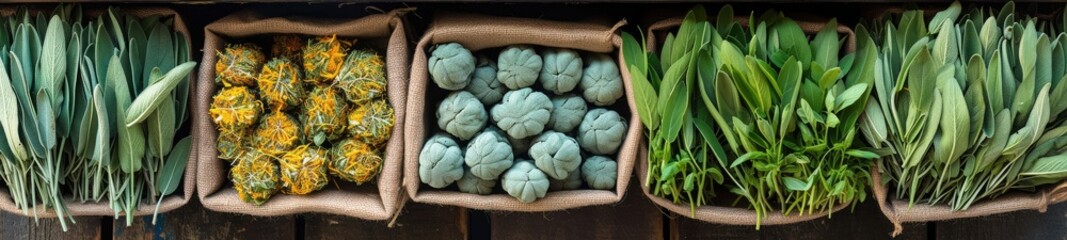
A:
(477, 32)
(898, 211)
(722, 214)
(383, 32)
(175, 200)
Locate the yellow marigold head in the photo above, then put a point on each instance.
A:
(324, 115)
(234, 109)
(362, 77)
(287, 46)
(231, 144)
(372, 122)
(323, 57)
(304, 170)
(280, 84)
(238, 64)
(354, 161)
(276, 133)
(255, 177)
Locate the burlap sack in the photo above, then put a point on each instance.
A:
(898, 211)
(724, 214)
(477, 32)
(383, 32)
(171, 202)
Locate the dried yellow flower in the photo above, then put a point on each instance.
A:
(238, 64)
(354, 161)
(255, 177)
(287, 46)
(280, 84)
(323, 58)
(324, 115)
(231, 144)
(234, 109)
(372, 123)
(304, 170)
(362, 77)
(277, 133)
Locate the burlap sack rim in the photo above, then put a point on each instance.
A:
(720, 214)
(452, 24)
(373, 206)
(75, 208)
(899, 212)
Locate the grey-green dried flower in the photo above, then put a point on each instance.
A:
(450, 66)
(523, 113)
(572, 182)
(601, 83)
(518, 66)
(600, 172)
(489, 155)
(441, 161)
(567, 112)
(475, 185)
(461, 115)
(484, 84)
(525, 182)
(556, 154)
(562, 70)
(602, 131)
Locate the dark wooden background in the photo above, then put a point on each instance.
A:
(634, 218)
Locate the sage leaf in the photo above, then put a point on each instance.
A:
(154, 94)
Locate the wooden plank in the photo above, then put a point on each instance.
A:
(635, 218)
(1015, 225)
(418, 222)
(18, 227)
(865, 223)
(192, 221)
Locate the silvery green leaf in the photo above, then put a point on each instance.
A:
(46, 120)
(849, 96)
(20, 83)
(130, 138)
(9, 117)
(873, 125)
(971, 44)
(1002, 130)
(945, 50)
(27, 49)
(67, 115)
(825, 45)
(1024, 95)
(790, 78)
(159, 51)
(138, 45)
(975, 101)
(1052, 166)
(955, 123)
(153, 95)
(994, 85)
(116, 28)
(171, 174)
(103, 138)
(52, 65)
(928, 133)
(181, 95)
(1035, 126)
(948, 15)
(161, 128)
(1059, 97)
(104, 48)
(1043, 68)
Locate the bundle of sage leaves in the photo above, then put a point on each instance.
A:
(80, 102)
(761, 106)
(968, 107)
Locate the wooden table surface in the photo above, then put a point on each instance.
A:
(634, 218)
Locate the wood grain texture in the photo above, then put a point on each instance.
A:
(866, 222)
(18, 227)
(193, 221)
(1015, 225)
(634, 218)
(418, 222)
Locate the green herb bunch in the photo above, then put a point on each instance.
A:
(83, 99)
(968, 105)
(772, 110)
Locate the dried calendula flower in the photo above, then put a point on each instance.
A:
(288, 46)
(372, 122)
(354, 161)
(362, 77)
(238, 65)
(231, 144)
(304, 170)
(255, 177)
(276, 133)
(235, 108)
(280, 84)
(323, 58)
(324, 115)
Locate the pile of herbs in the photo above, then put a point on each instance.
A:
(88, 113)
(969, 106)
(759, 109)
